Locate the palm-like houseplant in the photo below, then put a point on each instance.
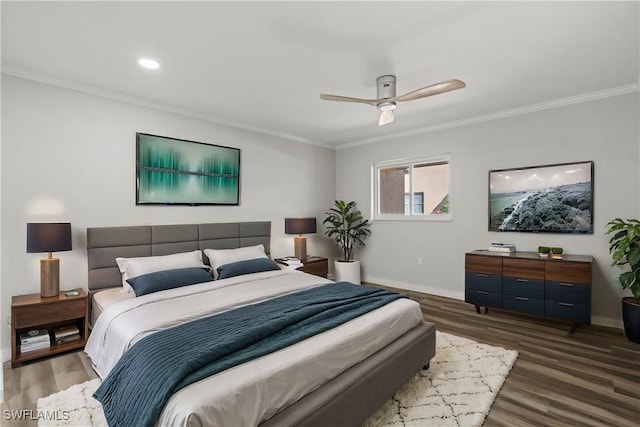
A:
(345, 224)
(624, 247)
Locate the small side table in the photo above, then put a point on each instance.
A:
(316, 265)
(30, 312)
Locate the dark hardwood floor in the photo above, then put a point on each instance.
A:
(564, 376)
(588, 376)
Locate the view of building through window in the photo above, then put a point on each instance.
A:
(418, 188)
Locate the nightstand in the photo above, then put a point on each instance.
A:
(316, 265)
(29, 312)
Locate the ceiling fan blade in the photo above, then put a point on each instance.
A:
(326, 97)
(438, 88)
(386, 117)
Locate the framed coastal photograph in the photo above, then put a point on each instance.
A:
(551, 198)
(172, 171)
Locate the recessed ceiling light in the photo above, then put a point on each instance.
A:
(148, 63)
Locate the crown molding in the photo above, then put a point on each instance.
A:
(117, 96)
(593, 96)
(105, 93)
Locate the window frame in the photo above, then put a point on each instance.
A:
(409, 163)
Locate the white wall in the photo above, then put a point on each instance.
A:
(605, 131)
(70, 156)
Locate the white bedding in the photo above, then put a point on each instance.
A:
(252, 392)
(105, 298)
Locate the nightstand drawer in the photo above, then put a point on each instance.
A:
(38, 315)
(317, 268)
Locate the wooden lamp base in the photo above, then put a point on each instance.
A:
(300, 248)
(49, 277)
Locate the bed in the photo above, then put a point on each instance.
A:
(340, 377)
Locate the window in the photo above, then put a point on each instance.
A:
(418, 203)
(413, 189)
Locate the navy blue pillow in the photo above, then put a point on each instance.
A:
(245, 267)
(168, 279)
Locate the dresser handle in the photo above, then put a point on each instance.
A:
(522, 299)
(522, 280)
(482, 275)
(571, 285)
(566, 304)
(482, 292)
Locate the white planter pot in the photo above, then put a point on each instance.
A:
(347, 271)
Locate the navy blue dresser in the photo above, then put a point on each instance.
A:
(526, 283)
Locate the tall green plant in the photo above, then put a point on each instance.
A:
(624, 247)
(347, 227)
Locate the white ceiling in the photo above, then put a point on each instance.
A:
(262, 65)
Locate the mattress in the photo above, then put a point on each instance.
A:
(252, 392)
(106, 298)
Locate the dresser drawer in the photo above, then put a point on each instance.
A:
(41, 314)
(483, 298)
(483, 281)
(523, 304)
(578, 313)
(569, 272)
(524, 268)
(568, 292)
(483, 264)
(531, 288)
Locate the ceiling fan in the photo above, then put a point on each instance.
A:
(387, 99)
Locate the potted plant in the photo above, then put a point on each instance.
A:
(543, 251)
(556, 253)
(624, 248)
(349, 229)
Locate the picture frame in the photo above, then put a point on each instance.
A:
(555, 198)
(173, 171)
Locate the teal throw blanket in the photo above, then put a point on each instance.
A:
(143, 380)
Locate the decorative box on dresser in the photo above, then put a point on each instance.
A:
(29, 312)
(525, 282)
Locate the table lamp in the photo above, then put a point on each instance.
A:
(49, 237)
(300, 226)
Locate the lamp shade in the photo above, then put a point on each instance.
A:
(299, 225)
(48, 236)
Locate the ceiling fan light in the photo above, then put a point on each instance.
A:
(386, 116)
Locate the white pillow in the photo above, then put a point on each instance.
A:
(133, 267)
(219, 257)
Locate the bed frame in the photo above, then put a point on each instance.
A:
(347, 400)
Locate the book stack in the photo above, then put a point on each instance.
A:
(66, 334)
(34, 340)
(291, 262)
(502, 247)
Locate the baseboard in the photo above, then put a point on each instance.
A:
(5, 354)
(425, 289)
(607, 321)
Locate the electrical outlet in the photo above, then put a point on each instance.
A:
(420, 261)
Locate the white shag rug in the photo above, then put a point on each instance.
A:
(463, 380)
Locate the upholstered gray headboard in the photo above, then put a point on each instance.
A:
(104, 244)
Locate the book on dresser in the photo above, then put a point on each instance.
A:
(502, 247)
